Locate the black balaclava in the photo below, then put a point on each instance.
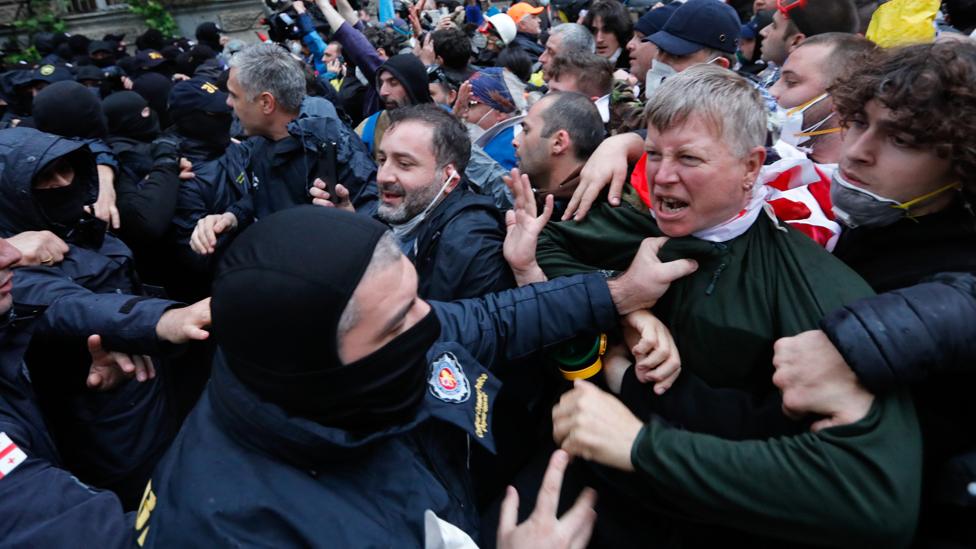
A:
(209, 34)
(276, 308)
(124, 113)
(412, 74)
(210, 128)
(69, 109)
(63, 207)
(152, 39)
(155, 88)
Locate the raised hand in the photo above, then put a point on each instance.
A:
(522, 228)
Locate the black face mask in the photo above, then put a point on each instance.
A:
(65, 209)
(64, 206)
(213, 129)
(103, 62)
(383, 389)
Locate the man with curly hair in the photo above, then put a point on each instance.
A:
(904, 188)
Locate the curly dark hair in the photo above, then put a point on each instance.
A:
(931, 92)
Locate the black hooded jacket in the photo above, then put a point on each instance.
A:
(458, 252)
(410, 71)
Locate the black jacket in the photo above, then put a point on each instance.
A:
(458, 249)
(146, 189)
(904, 253)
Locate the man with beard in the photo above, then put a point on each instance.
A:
(401, 81)
(453, 235)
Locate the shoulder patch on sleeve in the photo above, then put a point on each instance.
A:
(447, 380)
(10, 455)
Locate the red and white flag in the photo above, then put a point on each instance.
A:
(10, 455)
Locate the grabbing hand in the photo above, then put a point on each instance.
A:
(204, 238)
(522, 228)
(657, 357)
(38, 248)
(815, 379)
(646, 280)
(109, 368)
(185, 323)
(543, 530)
(609, 164)
(595, 426)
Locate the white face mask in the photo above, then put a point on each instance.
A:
(793, 132)
(405, 229)
(659, 71)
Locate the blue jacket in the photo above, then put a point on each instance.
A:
(272, 480)
(280, 173)
(42, 504)
(108, 439)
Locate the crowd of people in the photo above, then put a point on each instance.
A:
(673, 275)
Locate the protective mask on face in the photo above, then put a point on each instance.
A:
(295, 48)
(659, 71)
(857, 207)
(793, 132)
(406, 229)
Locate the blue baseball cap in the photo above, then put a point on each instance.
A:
(698, 24)
(654, 20)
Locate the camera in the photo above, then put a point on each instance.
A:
(282, 19)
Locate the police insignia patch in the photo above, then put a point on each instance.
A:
(46, 70)
(447, 380)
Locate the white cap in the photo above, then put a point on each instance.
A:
(504, 26)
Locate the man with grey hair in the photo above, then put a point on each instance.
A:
(292, 141)
(567, 39)
(757, 280)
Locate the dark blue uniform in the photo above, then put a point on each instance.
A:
(41, 504)
(243, 473)
(108, 439)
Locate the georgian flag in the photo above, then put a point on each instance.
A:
(10, 455)
(800, 196)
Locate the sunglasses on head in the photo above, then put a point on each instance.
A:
(784, 6)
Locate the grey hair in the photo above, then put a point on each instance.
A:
(723, 99)
(575, 38)
(269, 68)
(385, 253)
